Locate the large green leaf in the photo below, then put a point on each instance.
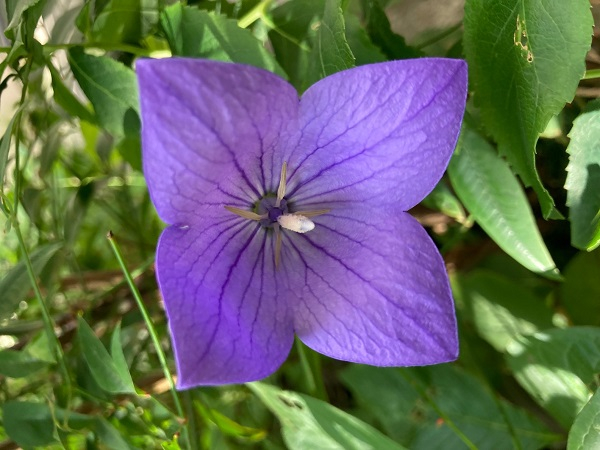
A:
(492, 194)
(65, 98)
(28, 424)
(192, 32)
(112, 89)
(558, 368)
(525, 58)
(330, 52)
(308, 423)
(15, 284)
(107, 373)
(502, 309)
(585, 432)
(394, 399)
(583, 179)
(580, 292)
(125, 21)
(5, 142)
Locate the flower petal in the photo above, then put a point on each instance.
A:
(381, 132)
(209, 130)
(227, 322)
(372, 288)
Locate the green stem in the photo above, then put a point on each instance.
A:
(107, 47)
(591, 74)
(159, 352)
(254, 14)
(48, 323)
(313, 375)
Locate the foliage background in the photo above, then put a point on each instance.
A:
(81, 365)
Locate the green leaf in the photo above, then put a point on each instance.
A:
(492, 194)
(112, 89)
(103, 368)
(381, 34)
(525, 58)
(65, 98)
(192, 32)
(580, 291)
(585, 432)
(15, 10)
(118, 357)
(501, 309)
(28, 424)
(125, 21)
(15, 284)
(443, 200)
(583, 179)
(557, 367)
(331, 52)
(394, 398)
(5, 143)
(364, 51)
(19, 364)
(291, 33)
(310, 423)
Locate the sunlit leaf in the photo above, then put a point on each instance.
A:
(557, 367)
(525, 58)
(583, 179)
(310, 423)
(496, 200)
(585, 432)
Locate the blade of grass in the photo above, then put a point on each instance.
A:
(150, 325)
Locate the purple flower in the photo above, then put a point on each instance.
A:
(288, 216)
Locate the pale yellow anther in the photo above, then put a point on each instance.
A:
(312, 213)
(282, 183)
(245, 213)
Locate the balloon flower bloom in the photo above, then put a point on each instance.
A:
(288, 214)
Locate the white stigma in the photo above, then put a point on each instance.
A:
(296, 222)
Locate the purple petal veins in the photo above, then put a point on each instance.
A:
(288, 215)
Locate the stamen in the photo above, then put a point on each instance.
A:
(245, 214)
(277, 244)
(282, 183)
(312, 213)
(296, 222)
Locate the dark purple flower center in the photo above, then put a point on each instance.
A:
(267, 206)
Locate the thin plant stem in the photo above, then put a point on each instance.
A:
(48, 323)
(254, 14)
(150, 325)
(591, 74)
(311, 366)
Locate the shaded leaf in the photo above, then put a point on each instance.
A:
(583, 179)
(19, 364)
(580, 291)
(118, 357)
(557, 367)
(28, 424)
(125, 21)
(443, 200)
(111, 87)
(15, 284)
(65, 98)
(330, 52)
(585, 432)
(364, 51)
(310, 423)
(102, 367)
(15, 9)
(192, 32)
(394, 398)
(525, 58)
(5, 142)
(492, 194)
(381, 34)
